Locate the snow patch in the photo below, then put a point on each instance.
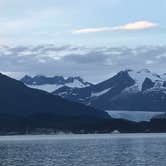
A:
(132, 89)
(76, 84)
(140, 76)
(96, 94)
(52, 87)
(48, 88)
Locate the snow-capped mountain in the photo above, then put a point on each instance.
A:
(50, 84)
(128, 90)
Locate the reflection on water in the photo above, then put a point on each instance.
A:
(84, 150)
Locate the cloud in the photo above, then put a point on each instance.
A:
(139, 25)
(91, 30)
(149, 62)
(94, 64)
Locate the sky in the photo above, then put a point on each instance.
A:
(93, 39)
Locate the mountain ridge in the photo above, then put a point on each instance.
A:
(50, 84)
(127, 90)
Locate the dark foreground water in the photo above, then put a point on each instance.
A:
(84, 150)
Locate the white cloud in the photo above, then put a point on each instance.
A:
(91, 30)
(149, 62)
(139, 25)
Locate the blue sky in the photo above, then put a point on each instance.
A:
(90, 38)
(54, 21)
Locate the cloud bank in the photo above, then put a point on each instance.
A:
(94, 64)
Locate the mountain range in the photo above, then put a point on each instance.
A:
(50, 84)
(127, 90)
(26, 110)
(22, 107)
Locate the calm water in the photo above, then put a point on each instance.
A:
(84, 150)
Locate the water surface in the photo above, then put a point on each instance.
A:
(84, 150)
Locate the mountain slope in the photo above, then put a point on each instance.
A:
(21, 106)
(50, 84)
(128, 90)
